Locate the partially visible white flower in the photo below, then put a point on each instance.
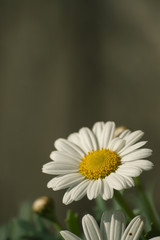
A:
(155, 238)
(94, 162)
(112, 227)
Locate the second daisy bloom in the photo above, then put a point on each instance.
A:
(112, 227)
(94, 162)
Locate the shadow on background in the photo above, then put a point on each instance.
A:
(68, 64)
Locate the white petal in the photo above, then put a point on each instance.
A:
(105, 225)
(155, 238)
(124, 133)
(119, 182)
(90, 228)
(67, 196)
(88, 140)
(75, 138)
(80, 190)
(97, 129)
(52, 183)
(58, 156)
(130, 149)
(76, 193)
(68, 147)
(68, 180)
(134, 229)
(107, 134)
(69, 236)
(90, 192)
(133, 137)
(107, 190)
(128, 170)
(116, 144)
(58, 172)
(59, 168)
(143, 164)
(117, 225)
(128, 181)
(115, 182)
(137, 154)
(94, 189)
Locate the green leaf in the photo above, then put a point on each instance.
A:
(24, 230)
(145, 203)
(150, 194)
(40, 223)
(21, 228)
(72, 222)
(153, 233)
(29, 226)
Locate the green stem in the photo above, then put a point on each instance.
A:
(50, 216)
(57, 226)
(148, 208)
(122, 202)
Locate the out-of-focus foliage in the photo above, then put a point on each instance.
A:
(72, 222)
(28, 226)
(32, 226)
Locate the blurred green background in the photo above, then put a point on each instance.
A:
(67, 64)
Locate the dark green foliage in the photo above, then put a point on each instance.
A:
(72, 222)
(27, 226)
(153, 233)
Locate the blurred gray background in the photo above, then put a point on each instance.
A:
(67, 64)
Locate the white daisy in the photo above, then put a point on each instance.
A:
(112, 227)
(94, 162)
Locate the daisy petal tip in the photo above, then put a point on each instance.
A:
(148, 166)
(62, 232)
(151, 165)
(141, 221)
(59, 142)
(105, 198)
(85, 219)
(139, 218)
(56, 142)
(140, 132)
(66, 234)
(44, 170)
(89, 197)
(49, 185)
(51, 156)
(150, 151)
(66, 200)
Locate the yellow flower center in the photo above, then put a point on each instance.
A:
(99, 164)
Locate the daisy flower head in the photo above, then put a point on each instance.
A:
(95, 162)
(112, 227)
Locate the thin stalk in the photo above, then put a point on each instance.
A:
(57, 226)
(122, 202)
(148, 208)
(50, 216)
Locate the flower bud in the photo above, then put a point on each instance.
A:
(43, 205)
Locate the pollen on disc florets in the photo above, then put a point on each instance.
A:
(99, 164)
